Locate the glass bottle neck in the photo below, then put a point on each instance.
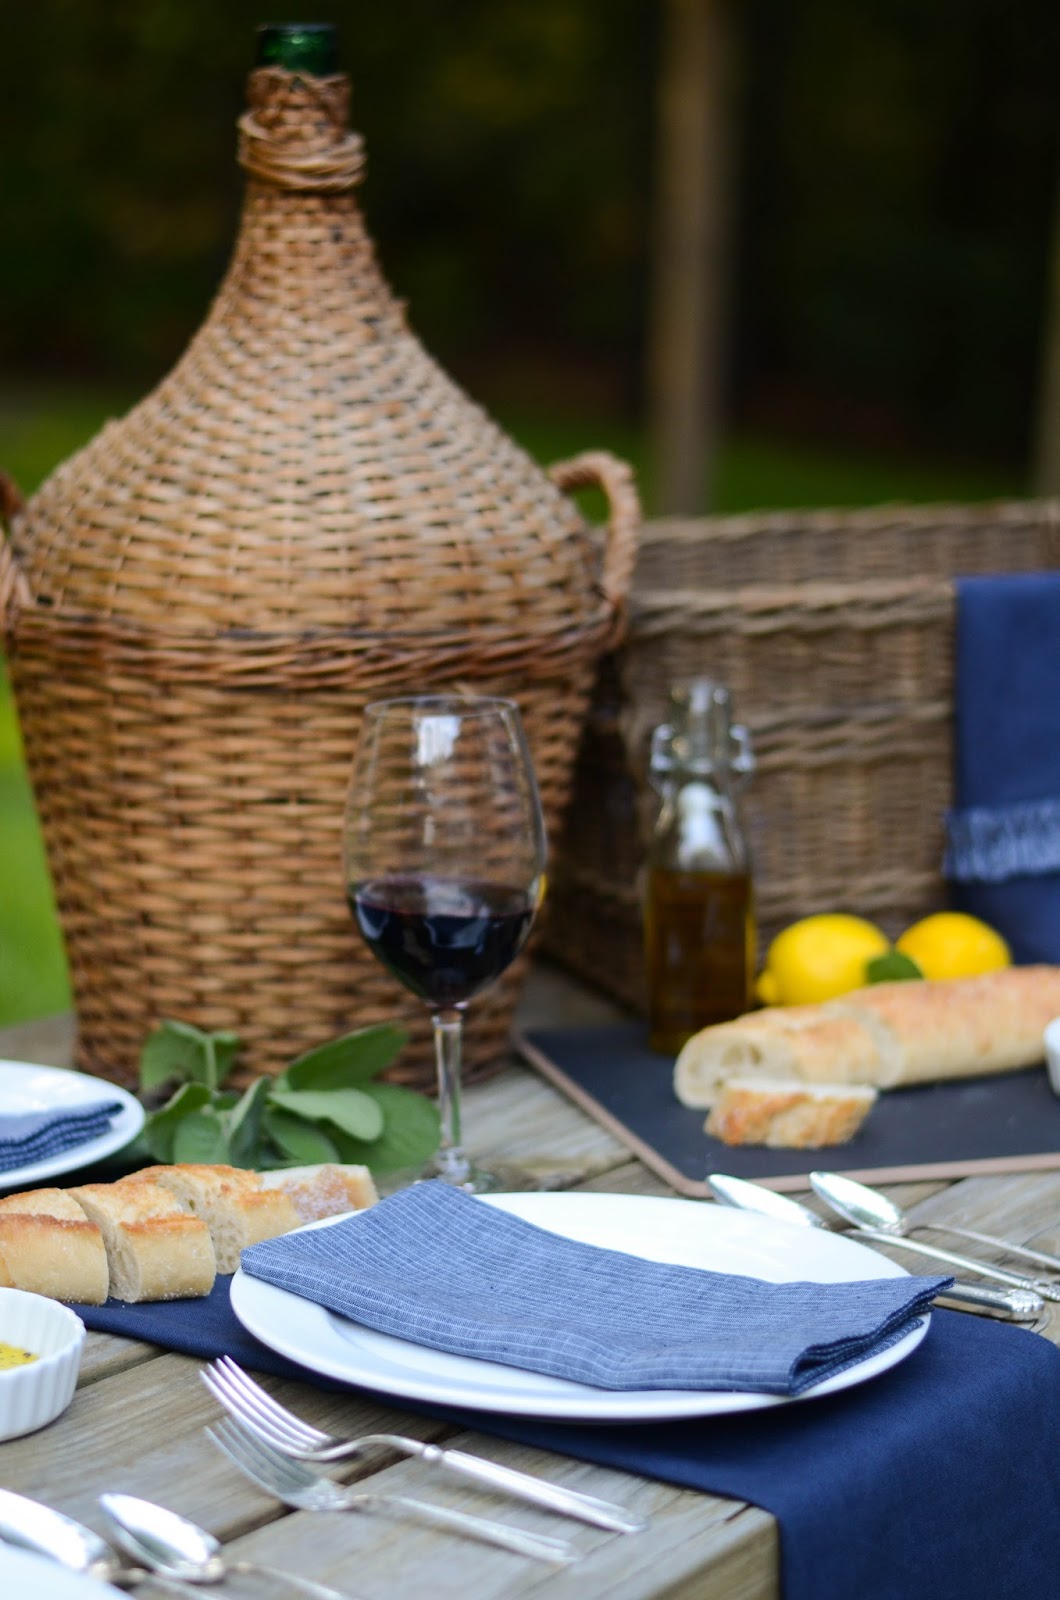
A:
(310, 48)
(699, 827)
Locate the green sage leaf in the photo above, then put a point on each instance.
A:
(226, 1048)
(300, 1142)
(411, 1130)
(352, 1110)
(344, 1062)
(160, 1129)
(173, 1050)
(200, 1136)
(894, 966)
(245, 1123)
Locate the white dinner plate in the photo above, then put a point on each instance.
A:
(25, 1087)
(687, 1232)
(27, 1576)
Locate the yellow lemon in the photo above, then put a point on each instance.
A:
(818, 958)
(951, 944)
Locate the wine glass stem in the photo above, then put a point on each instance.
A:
(451, 1161)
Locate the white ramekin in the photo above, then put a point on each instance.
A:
(36, 1393)
(1052, 1053)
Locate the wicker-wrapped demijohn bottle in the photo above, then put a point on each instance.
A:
(305, 515)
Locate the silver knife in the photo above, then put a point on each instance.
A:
(1023, 1304)
(1050, 1291)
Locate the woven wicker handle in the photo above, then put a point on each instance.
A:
(599, 469)
(13, 586)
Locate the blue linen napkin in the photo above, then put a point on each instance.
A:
(1003, 834)
(937, 1479)
(440, 1268)
(30, 1136)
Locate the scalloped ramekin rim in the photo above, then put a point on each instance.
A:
(35, 1394)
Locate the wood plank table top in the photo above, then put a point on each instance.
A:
(136, 1422)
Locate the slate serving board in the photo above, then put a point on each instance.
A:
(1009, 1122)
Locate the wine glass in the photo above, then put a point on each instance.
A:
(444, 854)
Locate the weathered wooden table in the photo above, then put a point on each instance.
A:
(137, 1419)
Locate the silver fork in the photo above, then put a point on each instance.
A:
(297, 1485)
(256, 1409)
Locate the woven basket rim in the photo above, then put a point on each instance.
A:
(885, 514)
(811, 593)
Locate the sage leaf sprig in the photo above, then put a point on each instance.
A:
(325, 1106)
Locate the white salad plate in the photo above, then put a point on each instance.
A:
(686, 1232)
(25, 1575)
(25, 1088)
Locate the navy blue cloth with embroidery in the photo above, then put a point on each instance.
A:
(1003, 835)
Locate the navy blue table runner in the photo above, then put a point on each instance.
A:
(938, 1480)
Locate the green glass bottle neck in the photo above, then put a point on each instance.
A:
(306, 47)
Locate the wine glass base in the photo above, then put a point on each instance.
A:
(455, 1168)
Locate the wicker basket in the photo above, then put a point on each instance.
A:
(834, 631)
(307, 514)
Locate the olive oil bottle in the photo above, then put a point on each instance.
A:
(699, 922)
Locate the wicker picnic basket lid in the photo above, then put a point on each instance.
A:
(306, 514)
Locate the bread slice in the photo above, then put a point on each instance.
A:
(156, 1250)
(231, 1201)
(786, 1113)
(811, 1043)
(324, 1191)
(48, 1246)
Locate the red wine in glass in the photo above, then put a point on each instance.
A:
(445, 938)
(444, 856)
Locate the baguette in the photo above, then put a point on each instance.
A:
(155, 1249)
(884, 1035)
(48, 1246)
(163, 1232)
(963, 1027)
(324, 1191)
(784, 1113)
(809, 1043)
(230, 1201)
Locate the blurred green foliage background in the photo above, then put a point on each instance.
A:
(895, 175)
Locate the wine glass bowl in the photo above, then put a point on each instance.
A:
(444, 860)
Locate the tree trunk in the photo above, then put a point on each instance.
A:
(686, 344)
(1046, 472)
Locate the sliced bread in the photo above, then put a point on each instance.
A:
(231, 1202)
(785, 1113)
(49, 1246)
(324, 1191)
(156, 1250)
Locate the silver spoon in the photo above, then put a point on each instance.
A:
(873, 1216)
(901, 1222)
(170, 1545)
(1024, 1305)
(28, 1525)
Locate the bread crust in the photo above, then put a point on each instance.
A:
(886, 1035)
(324, 1191)
(163, 1232)
(237, 1211)
(805, 1042)
(155, 1249)
(962, 1027)
(48, 1246)
(787, 1114)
